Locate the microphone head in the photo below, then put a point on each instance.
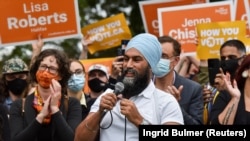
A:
(119, 87)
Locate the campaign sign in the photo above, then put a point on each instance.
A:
(180, 22)
(107, 33)
(242, 12)
(22, 21)
(212, 35)
(148, 11)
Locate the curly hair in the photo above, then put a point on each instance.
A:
(63, 66)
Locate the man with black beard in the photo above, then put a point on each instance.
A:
(118, 118)
(13, 82)
(134, 86)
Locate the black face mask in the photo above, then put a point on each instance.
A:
(230, 66)
(97, 85)
(17, 86)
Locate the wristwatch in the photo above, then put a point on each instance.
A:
(145, 122)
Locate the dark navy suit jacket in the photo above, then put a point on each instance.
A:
(191, 102)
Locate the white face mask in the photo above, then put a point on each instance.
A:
(162, 68)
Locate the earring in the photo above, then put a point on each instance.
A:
(244, 74)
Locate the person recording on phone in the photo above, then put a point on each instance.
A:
(117, 64)
(232, 52)
(231, 106)
(141, 102)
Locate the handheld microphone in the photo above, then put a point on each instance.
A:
(119, 87)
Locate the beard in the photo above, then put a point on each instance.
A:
(135, 85)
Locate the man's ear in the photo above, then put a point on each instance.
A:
(176, 59)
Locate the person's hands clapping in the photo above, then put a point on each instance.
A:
(175, 92)
(45, 110)
(56, 95)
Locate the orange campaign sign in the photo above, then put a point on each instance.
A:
(23, 20)
(88, 62)
(212, 35)
(148, 11)
(180, 22)
(107, 33)
(242, 12)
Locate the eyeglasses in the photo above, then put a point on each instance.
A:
(51, 69)
(78, 72)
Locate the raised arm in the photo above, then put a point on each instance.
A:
(227, 116)
(36, 48)
(85, 42)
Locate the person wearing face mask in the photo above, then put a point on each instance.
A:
(76, 84)
(13, 81)
(98, 82)
(47, 113)
(231, 106)
(187, 92)
(232, 53)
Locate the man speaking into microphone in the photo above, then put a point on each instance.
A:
(117, 118)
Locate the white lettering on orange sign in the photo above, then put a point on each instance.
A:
(194, 22)
(108, 34)
(35, 7)
(31, 21)
(182, 34)
(113, 24)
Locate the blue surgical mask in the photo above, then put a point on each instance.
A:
(76, 82)
(162, 68)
